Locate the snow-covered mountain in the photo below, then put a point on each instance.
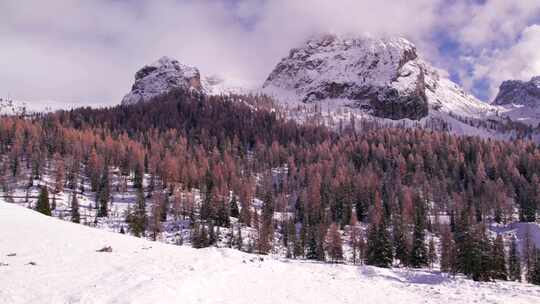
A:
(386, 77)
(58, 262)
(167, 74)
(520, 100)
(160, 77)
(370, 78)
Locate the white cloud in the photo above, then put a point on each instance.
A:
(521, 61)
(492, 22)
(88, 51)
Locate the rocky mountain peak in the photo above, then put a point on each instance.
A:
(517, 92)
(382, 75)
(161, 77)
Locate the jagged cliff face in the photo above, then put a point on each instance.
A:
(516, 92)
(383, 76)
(161, 77)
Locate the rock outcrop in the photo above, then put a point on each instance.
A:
(160, 78)
(517, 92)
(383, 76)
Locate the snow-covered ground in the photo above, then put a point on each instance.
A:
(68, 269)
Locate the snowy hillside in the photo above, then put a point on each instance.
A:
(58, 263)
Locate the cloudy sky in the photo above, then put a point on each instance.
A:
(86, 52)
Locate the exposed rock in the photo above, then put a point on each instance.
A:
(517, 92)
(105, 249)
(160, 78)
(383, 76)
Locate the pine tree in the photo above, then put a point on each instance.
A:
(535, 272)
(528, 253)
(154, 222)
(75, 215)
(499, 260)
(514, 264)
(379, 247)
(432, 253)
(239, 239)
(104, 194)
(137, 219)
(311, 253)
(419, 256)
(42, 205)
(334, 244)
(447, 248)
(195, 236)
(264, 242)
(354, 238)
(138, 177)
(401, 248)
(235, 212)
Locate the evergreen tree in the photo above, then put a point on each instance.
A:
(400, 242)
(235, 212)
(514, 264)
(379, 246)
(354, 239)
(137, 219)
(42, 205)
(311, 252)
(75, 215)
(104, 194)
(499, 260)
(195, 236)
(239, 239)
(138, 177)
(419, 254)
(535, 272)
(447, 248)
(432, 253)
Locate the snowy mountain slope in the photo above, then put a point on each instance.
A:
(381, 75)
(376, 74)
(69, 270)
(9, 106)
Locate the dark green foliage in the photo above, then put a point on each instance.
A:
(199, 236)
(75, 215)
(235, 212)
(42, 205)
(379, 246)
(534, 276)
(514, 263)
(401, 247)
(499, 260)
(138, 177)
(311, 250)
(432, 253)
(104, 194)
(137, 218)
(419, 254)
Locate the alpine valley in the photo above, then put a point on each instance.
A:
(356, 172)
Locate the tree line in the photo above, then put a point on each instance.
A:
(408, 186)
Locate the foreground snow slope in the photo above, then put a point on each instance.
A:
(69, 270)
